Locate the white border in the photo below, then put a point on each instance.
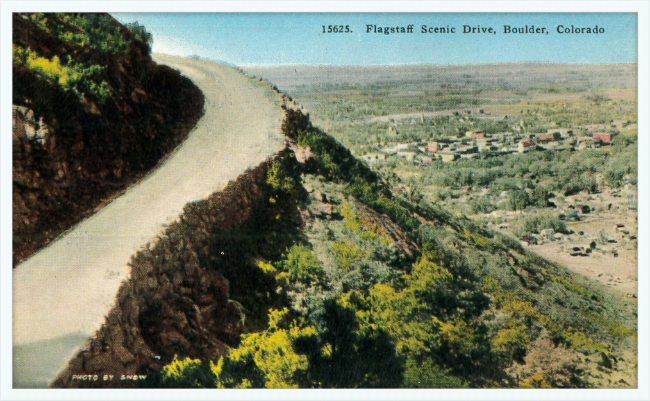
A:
(7, 7)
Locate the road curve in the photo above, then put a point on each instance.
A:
(62, 293)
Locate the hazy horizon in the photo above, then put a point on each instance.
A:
(272, 39)
(399, 65)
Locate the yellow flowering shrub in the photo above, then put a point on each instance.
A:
(273, 353)
(512, 337)
(347, 255)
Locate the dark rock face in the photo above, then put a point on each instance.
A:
(156, 318)
(191, 291)
(84, 151)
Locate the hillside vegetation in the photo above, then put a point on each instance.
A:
(546, 153)
(327, 279)
(92, 113)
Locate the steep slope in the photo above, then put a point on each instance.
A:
(92, 114)
(340, 283)
(62, 293)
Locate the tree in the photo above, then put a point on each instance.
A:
(518, 200)
(300, 266)
(272, 352)
(539, 196)
(426, 374)
(513, 338)
(265, 359)
(348, 353)
(140, 33)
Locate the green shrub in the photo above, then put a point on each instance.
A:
(96, 30)
(578, 340)
(573, 287)
(277, 178)
(512, 338)
(300, 265)
(518, 200)
(478, 239)
(70, 75)
(482, 205)
(428, 375)
(368, 230)
(186, 373)
(266, 359)
(273, 353)
(536, 381)
(614, 328)
(459, 336)
(347, 255)
(537, 223)
(140, 33)
(508, 301)
(374, 197)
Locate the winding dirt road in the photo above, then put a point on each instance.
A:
(62, 293)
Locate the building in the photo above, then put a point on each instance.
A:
(549, 137)
(583, 208)
(432, 147)
(525, 146)
(602, 137)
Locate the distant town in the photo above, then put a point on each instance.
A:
(479, 144)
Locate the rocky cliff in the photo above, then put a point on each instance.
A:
(92, 113)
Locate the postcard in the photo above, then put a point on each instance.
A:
(417, 201)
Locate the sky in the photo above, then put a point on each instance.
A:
(285, 38)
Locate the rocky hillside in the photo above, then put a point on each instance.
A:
(308, 271)
(92, 113)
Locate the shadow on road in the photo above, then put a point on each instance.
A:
(31, 370)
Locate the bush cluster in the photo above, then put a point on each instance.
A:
(83, 81)
(98, 31)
